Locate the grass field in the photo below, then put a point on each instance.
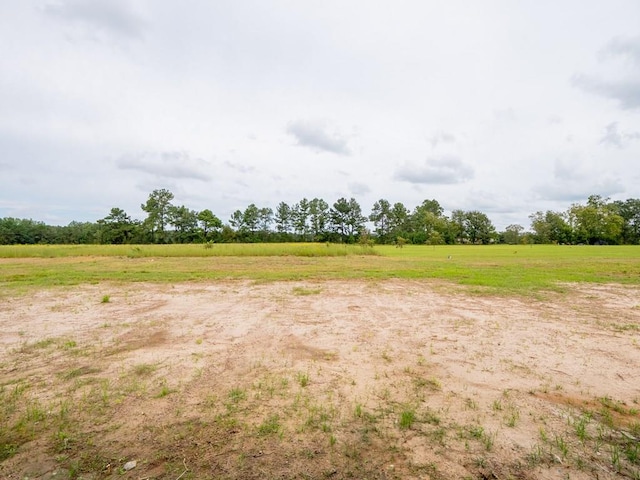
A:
(502, 268)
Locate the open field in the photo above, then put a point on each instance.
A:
(422, 362)
(501, 268)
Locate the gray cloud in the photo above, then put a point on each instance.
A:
(573, 181)
(616, 138)
(578, 191)
(106, 16)
(358, 188)
(444, 169)
(441, 137)
(567, 170)
(625, 90)
(316, 135)
(628, 48)
(239, 167)
(166, 164)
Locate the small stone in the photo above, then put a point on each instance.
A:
(129, 465)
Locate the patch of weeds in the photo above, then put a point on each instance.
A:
(488, 440)
(164, 390)
(407, 418)
(105, 299)
(431, 418)
(580, 426)
(512, 418)
(198, 341)
(562, 446)
(632, 452)
(39, 345)
(303, 379)
(615, 457)
(69, 344)
(301, 291)
(536, 456)
(496, 405)
(430, 383)
(144, 369)
(78, 372)
(386, 357)
(470, 403)
(270, 426)
(236, 395)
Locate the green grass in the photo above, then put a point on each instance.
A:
(502, 269)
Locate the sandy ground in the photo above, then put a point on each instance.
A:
(191, 375)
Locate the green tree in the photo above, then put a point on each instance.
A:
(117, 227)
(318, 218)
(596, 222)
(184, 222)
(381, 218)
(209, 224)
(283, 218)
(457, 226)
(347, 219)
(550, 227)
(300, 218)
(265, 219)
(237, 222)
(512, 234)
(629, 210)
(428, 223)
(398, 222)
(157, 208)
(478, 227)
(251, 220)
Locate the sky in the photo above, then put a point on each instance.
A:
(500, 106)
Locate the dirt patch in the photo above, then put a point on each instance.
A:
(336, 379)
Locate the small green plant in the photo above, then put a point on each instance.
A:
(632, 452)
(580, 426)
(164, 390)
(512, 418)
(303, 379)
(615, 457)
(236, 395)
(407, 418)
(106, 299)
(488, 440)
(562, 446)
(271, 425)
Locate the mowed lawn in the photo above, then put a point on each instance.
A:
(518, 269)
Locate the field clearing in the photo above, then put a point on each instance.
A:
(420, 363)
(500, 269)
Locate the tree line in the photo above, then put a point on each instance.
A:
(599, 221)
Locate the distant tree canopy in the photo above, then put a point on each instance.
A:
(598, 221)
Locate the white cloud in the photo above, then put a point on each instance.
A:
(171, 165)
(444, 169)
(319, 136)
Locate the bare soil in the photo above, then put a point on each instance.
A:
(332, 379)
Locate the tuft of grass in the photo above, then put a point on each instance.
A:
(302, 291)
(407, 418)
(270, 426)
(106, 299)
(303, 379)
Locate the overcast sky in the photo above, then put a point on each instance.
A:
(507, 107)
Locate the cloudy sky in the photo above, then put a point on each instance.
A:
(500, 106)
